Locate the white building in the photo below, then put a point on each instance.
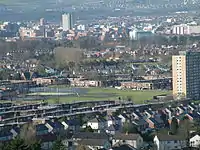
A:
(184, 29)
(180, 29)
(67, 22)
(195, 141)
(169, 142)
(96, 124)
(194, 29)
(27, 32)
(132, 34)
(123, 118)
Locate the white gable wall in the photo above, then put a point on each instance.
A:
(195, 141)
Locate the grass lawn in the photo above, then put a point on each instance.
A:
(138, 97)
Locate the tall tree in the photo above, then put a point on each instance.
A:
(174, 125)
(81, 147)
(129, 128)
(3, 146)
(58, 145)
(164, 119)
(186, 129)
(36, 146)
(17, 144)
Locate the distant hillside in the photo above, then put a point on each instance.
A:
(22, 2)
(13, 2)
(38, 4)
(26, 5)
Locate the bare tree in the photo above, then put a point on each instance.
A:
(28, 133)
(67, 55)
(81, 147)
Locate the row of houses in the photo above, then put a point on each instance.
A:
(49, 130)
(145, 119)
(22, 86)
(164, 83)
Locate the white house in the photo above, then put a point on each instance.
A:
(96, 124)
(134, 140)
(180, 109)
(169, 142)
(191, 107)
(136, 115)
(50, 128)
(66, 126)
(123, 118)
(71, 125)
(195, 141)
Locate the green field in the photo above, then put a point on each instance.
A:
(138, 97)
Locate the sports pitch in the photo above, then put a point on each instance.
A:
(84, 94)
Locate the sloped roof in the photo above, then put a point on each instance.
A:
(123, 147)
(90, 135)
(122, 136)
(55, 124)
(140, 122)
(93, 142)
(41, 127)
(112, 127)
(165, 137)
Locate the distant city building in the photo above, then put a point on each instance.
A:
(185, 73)
(27, 32)
(42, 22)
(194, 29)
(67, 21)
(136, 35)
(184, 29)
(180, 29)
(132, 35)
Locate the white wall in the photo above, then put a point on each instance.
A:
(110, 122)
(123, 120)
(195, 141)
(168, 145)
(93, 125)
(134, 143)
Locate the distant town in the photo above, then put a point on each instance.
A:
(101, 82)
